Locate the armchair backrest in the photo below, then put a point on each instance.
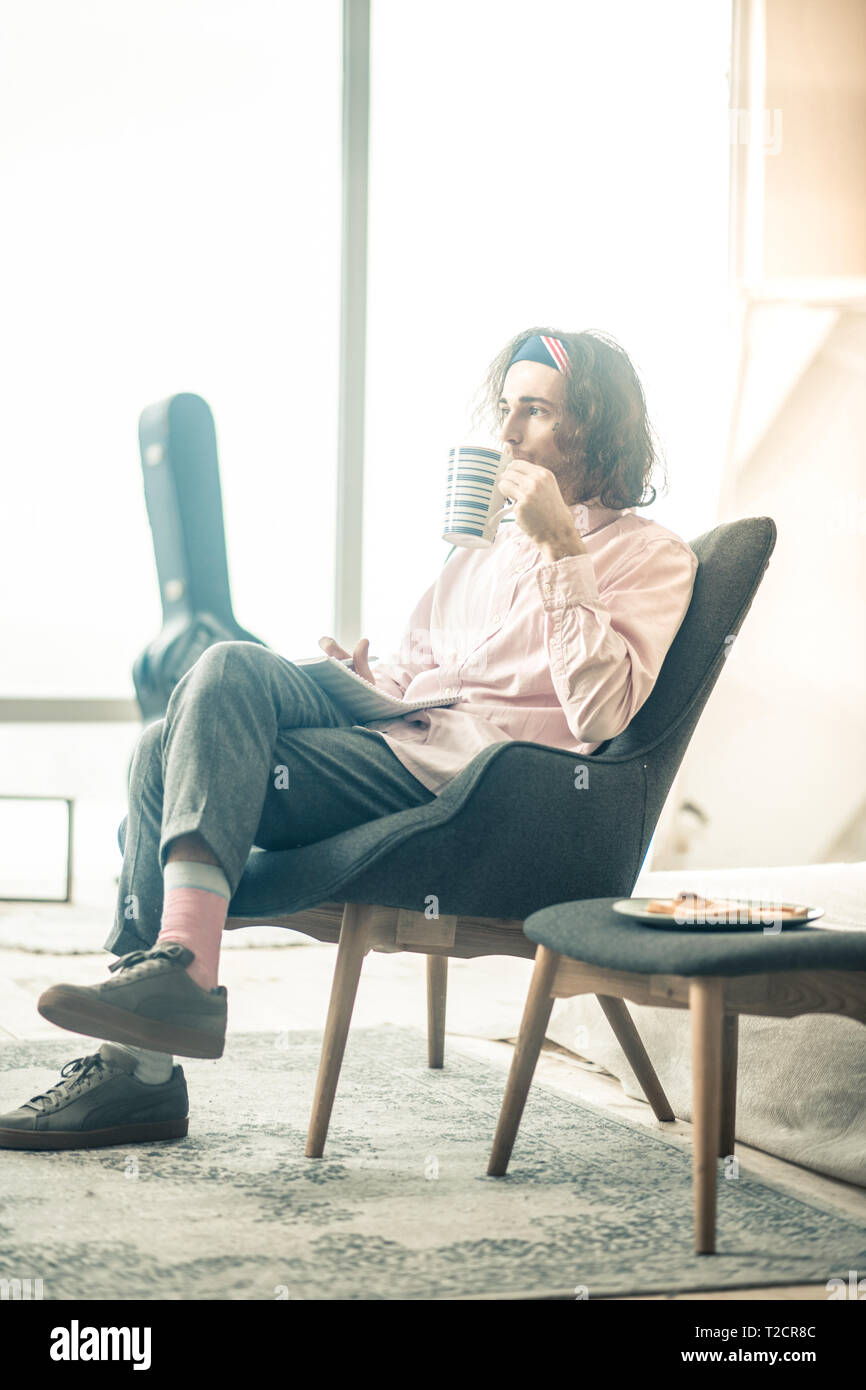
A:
(733, 558)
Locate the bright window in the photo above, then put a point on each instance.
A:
(171, 193)
(553, 163)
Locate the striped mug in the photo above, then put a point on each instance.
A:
(473, 501)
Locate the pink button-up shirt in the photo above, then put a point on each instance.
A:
(562, 654)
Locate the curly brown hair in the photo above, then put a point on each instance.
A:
(606, 430)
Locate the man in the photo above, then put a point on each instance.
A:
(555, 634)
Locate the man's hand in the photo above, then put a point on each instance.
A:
(540, 509)
(360, 662)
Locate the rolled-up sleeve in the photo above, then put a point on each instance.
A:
(606, 649)
(414, 654)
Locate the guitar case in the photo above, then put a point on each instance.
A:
(182, 493)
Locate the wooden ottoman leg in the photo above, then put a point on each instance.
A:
(354, 942)
(437, 988)
(730, 1034)
(706, 1004)
(539, 1004)
(622, 1023)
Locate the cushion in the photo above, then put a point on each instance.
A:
(591, 931)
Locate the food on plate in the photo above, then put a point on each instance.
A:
(687, 905)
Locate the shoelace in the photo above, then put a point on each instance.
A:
(74, 1073)
(136, 957)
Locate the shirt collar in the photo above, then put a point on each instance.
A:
(591, 516)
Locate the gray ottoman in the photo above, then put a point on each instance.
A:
(717, 973)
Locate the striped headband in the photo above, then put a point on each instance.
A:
(550, 351)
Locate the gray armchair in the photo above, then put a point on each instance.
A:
(515, 832)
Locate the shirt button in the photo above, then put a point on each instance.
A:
(496, 617)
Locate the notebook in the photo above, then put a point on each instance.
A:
(364, 702)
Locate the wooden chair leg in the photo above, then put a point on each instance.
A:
(706, 1004)
(437, 989)
(354, 944)
(727, 1134)
(539, 1003)
(627, 1036)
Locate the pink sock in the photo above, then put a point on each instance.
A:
(194, 917)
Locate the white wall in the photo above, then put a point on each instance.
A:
(778, 763)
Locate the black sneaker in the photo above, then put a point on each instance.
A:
(99, 1102)
(150, 1001)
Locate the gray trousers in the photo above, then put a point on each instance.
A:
(250, 752)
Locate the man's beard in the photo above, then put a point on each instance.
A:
(570, 479)
(569, 469)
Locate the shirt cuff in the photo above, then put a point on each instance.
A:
(568, 582)
(385, 681)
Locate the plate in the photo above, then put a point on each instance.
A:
(637, 908)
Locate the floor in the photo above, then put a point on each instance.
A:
(279, 981)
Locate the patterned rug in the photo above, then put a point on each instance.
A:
(399, 1207)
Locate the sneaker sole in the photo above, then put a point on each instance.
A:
(93, 1018)
(93, 1138)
